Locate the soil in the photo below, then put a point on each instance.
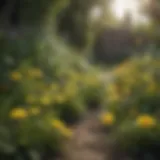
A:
(88, 142)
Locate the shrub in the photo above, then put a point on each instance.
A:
(42, 104)
(136, 86)
(133, 98)
(92, 89)
(138, 140)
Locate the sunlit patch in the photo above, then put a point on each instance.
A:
(121, 7)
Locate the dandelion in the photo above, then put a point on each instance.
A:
(59, 125)
(16, 76)
(18, 113)
(107, 118)
(146, 121)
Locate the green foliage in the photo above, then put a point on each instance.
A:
(43, 98)
(93, 89)
(133, 98)
(43, 82)
(135, 141)
(141, 92)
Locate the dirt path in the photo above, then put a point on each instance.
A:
(88, 142)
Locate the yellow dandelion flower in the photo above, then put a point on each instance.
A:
(59, 125)
(18, 113)
(34, 111)
(146, 121)
(16, 76)
(107, 118)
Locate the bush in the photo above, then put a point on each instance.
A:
(136, 86)
(92, 90)
(133, 99)
(42, 103)
(139, 141)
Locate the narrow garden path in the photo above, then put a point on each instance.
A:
(88, 142)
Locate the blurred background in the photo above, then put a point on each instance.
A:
(59, 58)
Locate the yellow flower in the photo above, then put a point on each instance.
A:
(146, 121)
(107, 118)
(18, 113)
(34, 111)
(16, 76)
(57, 124)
